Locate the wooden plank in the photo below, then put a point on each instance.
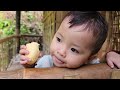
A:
(115, 74)
(17, 74)
(96, 71)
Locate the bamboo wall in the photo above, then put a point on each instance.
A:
(106, 46)
(115, 36)
(49, 29)
(51, 20)
(113, 40)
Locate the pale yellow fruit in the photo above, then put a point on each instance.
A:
(34, 52)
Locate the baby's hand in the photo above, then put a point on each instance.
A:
(29, 54)
(23, 52)
(113, 59)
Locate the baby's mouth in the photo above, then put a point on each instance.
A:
(57, 60)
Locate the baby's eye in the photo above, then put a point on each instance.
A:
(58, 39)
(74, 50)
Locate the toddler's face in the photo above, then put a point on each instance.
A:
(70, 47)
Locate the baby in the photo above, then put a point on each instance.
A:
(76, 42)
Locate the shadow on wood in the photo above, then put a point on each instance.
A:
(96, 71)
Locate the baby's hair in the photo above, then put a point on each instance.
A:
(94, 22)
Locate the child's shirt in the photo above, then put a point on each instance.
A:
(46, 61)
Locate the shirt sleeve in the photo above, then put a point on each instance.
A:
(95, 61)
(44, 62)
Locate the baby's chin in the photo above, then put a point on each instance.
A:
(60, 66)
(72, 66)
(65, 66)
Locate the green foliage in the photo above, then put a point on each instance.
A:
(7, 27)
(24, 29)
(29, 25)
(30, 17)
(23, 42)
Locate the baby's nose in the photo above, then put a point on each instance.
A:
(62, 52)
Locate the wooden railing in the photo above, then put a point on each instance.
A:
(8, 47)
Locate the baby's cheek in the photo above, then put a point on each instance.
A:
(75, 62)
(52, 48)
(58, 47)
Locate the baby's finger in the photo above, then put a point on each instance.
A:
(22, 47)
(23, 52)
(23, 62)
(110, 63)
(24, 58)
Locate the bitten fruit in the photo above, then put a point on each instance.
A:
(34, 52)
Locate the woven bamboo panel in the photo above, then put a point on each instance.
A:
(106, 46)
(59, 17)
(49, 25)
(115, 39)
(51, 20)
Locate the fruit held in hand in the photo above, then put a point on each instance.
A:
(34, 52)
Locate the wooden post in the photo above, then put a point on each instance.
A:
(18, 14)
